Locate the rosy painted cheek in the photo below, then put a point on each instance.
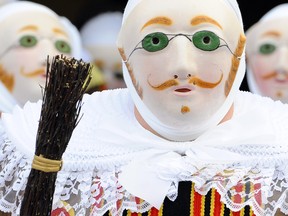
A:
(211, 77)
(261, 66)
(268, 89)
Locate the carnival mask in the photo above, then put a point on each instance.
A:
(181, 63)
(267, 54)
(99, 35)
(32, 32)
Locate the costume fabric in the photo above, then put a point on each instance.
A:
(109, 147)
(190, 202)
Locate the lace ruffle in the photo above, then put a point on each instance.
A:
(14, 172)
(81, 192)
(93, 192)
(88, 182)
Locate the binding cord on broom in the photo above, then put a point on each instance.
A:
(46, 165)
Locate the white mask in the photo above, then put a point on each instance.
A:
(32, 32)
(267, 53)
(182, 60)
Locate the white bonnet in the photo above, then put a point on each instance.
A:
(102, 29)
(277, 12)
(133, 3)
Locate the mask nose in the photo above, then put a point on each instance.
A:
(183, 62)
(282, 65)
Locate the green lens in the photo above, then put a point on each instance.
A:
(63, 46)
(206, 40)
(267, 48)
(28, 41)
(155, 41)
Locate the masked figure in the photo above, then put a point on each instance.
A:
(181, 139)
(267, 55)
(99, 35)
(31, 32)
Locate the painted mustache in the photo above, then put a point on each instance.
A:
(39, 72)
(273, 75)
(192, 80)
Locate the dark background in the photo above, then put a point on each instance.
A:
(79, 11)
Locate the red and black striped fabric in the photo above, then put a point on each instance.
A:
(191, 203)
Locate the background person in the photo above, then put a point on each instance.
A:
(267, 55)
(31, 32)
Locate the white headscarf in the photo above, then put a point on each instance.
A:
(102, 29)
(131, 4)
(181, 134)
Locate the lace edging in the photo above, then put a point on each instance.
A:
(98, 191)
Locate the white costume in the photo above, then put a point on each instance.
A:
(251, 146)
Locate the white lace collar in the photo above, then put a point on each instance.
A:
(103, 144)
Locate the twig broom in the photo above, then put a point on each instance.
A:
(67, 81)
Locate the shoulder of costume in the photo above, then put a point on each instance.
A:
(248, 100)
(101, 113)
(257, 109)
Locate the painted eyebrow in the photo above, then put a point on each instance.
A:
(204, 19)
(35, 28)
(158, 20)
(59, 31)
(271, 33)
(29, 27)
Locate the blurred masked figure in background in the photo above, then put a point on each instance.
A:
(267, 54)
(31, 32)
(99, 36)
